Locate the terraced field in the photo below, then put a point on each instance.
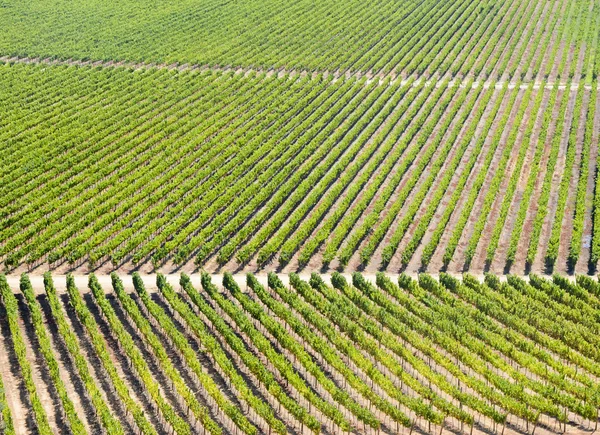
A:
(318, 354)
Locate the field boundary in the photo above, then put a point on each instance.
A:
(281, 73)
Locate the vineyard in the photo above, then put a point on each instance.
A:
(329, 354)
(499, 39)
(313, 217)
(423, 136)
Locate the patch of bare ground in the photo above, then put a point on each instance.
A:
(584, 266)
(317, 263)
(14, 387)
(478, 262)
(521, 253)
(458, 260)
(499, 262)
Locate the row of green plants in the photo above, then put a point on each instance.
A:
(375, 235)
(321, 153)
(513, 184)
(19, 347)
(553, 246)
(496, 182)
(430, 248)
(418, 350)
(584, 169)
(544, 139)
(415, 37)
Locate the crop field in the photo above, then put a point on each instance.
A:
(303, 136)
(299, 217)
(320, 354)
(268, 217)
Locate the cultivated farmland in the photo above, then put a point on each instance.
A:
(466, 143)
(318, 355)
(269, 217)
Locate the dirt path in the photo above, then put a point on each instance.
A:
(280, 73)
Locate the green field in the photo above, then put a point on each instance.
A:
(314, 217)
(410, 37)
(303, 136)
(320, 355)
